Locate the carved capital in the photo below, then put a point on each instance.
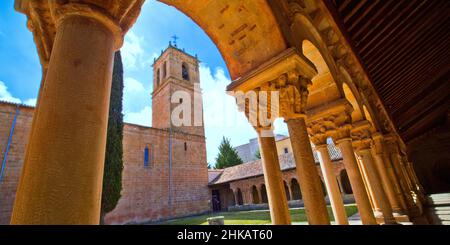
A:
(319, 139)
(333, 120)
(293, 93)
(378, 143)
(361, 136)
(44, 17)
(277, 88)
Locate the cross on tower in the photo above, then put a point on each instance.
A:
(175, 38)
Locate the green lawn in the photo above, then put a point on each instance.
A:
(256, 217)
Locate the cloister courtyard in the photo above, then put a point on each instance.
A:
(333, 100)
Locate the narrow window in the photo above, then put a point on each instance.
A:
(185, 146)
(181, 100)
(286, 150)
(185, 71)
(164, 69)
(157, 77)
(146, 156)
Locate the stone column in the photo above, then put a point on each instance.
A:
(373, 201)
(236, 200)
(379, 151)
(411, 174)
(354, 175)
(331, 184)
(309, 180)
(404, 180)
(279, 210)
(376, 184)
(393, 171)
(61, 181)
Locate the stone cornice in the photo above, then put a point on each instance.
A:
(288, 60)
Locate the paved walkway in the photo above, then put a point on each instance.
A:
(352, 220)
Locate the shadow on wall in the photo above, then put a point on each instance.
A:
(431, 158)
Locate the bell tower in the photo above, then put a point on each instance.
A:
(176, 96)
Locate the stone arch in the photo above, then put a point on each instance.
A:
(234, 27)
(286, 190)
(352, 95)
(367, 114)
(295, 188)
(345, 182)
(185, 71)
(264, 194)
(240, 199)
(360, 110)
(307, 31)
(324, 87)
(230, 197)
(255, 196)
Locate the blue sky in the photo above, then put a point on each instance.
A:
(20, 70)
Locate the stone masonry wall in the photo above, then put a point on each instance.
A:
(16, 154)
(146, 195)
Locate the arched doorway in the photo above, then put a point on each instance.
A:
(263, 194)
(255, 196)
(295, 188)
(240, 200)
(345, 182)
(216, 200)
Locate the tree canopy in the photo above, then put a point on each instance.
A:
(227, 156)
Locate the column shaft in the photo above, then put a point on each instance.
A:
(404, 183)
(313, 197)
(354, 175)
(377, 186)
(279, 210)
(395, 181)
(387, 183)
(331, 184)
(61, 180)
(374, 203)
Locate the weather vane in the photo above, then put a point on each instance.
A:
(175, 38)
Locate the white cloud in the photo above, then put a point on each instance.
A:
(132, 85)
(30, 102)
(133, 52)
(5, 95)
(136, 102)
(135, 95)
(142, 117)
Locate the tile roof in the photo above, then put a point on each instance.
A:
(254, 168)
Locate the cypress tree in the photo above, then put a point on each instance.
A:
(112, 177)
(227, 156)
